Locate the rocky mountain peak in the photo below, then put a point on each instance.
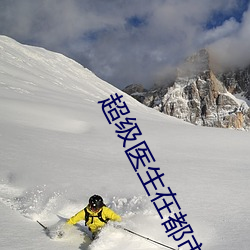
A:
(200, 96)
(196, 64)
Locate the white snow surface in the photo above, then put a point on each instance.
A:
(57, 149)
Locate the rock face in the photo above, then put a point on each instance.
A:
(136, 90)
(199, 96)
(237, 81)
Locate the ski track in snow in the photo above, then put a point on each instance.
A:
(39, 204)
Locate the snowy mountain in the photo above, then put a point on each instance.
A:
(202, 95)
(237, 81)
(57, 149)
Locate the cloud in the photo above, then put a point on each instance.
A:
(233, 48)
(228, 28)
(125, 42)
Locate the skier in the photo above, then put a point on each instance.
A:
(95, 214)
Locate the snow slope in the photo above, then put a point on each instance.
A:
(57, 149)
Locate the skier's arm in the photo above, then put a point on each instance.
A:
(77, 217)
(110, 214)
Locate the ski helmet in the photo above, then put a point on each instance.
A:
(95, 202)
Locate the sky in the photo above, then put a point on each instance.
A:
(132, 41)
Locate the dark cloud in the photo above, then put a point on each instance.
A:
(136, 41)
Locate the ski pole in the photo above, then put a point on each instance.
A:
(148, 238)
(45, 228)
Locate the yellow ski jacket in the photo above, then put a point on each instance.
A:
(94, 223)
